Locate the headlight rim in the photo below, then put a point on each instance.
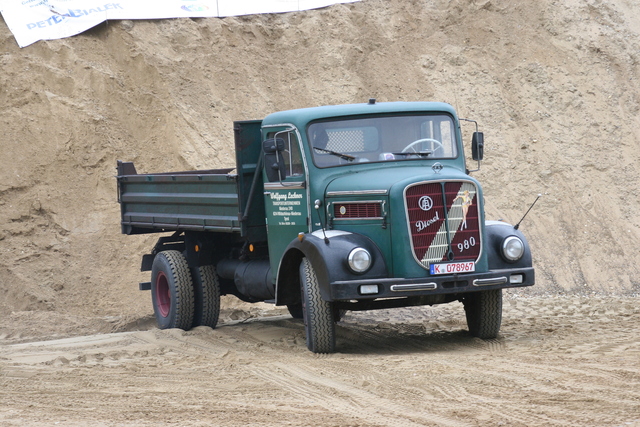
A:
(503, 249)
(351, 263)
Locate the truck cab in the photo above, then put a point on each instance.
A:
(377, 201)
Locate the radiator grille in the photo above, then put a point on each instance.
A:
(443, 222)
(352, 210)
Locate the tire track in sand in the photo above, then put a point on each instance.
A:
(349, 400)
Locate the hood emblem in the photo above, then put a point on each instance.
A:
(425, 203)
(437, 167)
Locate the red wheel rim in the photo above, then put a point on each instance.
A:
(163, 296)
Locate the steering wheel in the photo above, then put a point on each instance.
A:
(412, 147)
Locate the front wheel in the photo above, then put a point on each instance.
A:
(317, 313)
(484, 313)
(172, 291)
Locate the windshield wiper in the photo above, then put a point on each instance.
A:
(414, 153)
(334, 153)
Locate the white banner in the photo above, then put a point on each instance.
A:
(33, 20)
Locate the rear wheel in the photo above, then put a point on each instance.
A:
(206, 296)
(172, 291)
(317, 313)
(484, 313)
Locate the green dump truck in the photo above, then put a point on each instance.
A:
(350, 207)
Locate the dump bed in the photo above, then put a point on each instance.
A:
(212, 200)
(192, 200)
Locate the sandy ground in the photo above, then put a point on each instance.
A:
(555, 86)
(560, 361)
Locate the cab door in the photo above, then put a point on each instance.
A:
(286, 196)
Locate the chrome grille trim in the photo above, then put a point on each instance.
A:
(490, 282)
(357, 193)
(439, 223)
(414, 287)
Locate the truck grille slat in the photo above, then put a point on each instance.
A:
(443, 221)
(356, 210)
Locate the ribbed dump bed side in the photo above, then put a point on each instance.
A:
(193, 200)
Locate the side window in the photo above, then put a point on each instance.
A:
(288, 154)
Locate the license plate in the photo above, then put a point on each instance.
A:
(453, 267)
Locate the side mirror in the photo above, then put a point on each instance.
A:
(273, 161)
(477, 146)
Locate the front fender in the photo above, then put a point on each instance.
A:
(496, 232)
(329, 260)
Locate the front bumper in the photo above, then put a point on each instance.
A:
(431, 285)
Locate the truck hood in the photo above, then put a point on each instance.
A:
(384, 178)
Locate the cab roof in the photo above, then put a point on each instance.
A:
(302, 116)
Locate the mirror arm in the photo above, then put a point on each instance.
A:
(479, 157)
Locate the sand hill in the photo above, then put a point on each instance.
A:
(554, 86)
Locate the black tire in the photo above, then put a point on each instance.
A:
(317, 313)
(206, 291)
(295, 310)
(172, 291)
(484, 313)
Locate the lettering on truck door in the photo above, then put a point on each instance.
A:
(285, 191)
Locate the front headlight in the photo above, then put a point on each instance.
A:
(512, 248)
(359, 260)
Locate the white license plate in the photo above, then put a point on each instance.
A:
(453, 267)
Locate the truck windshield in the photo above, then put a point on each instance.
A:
(382, 139)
